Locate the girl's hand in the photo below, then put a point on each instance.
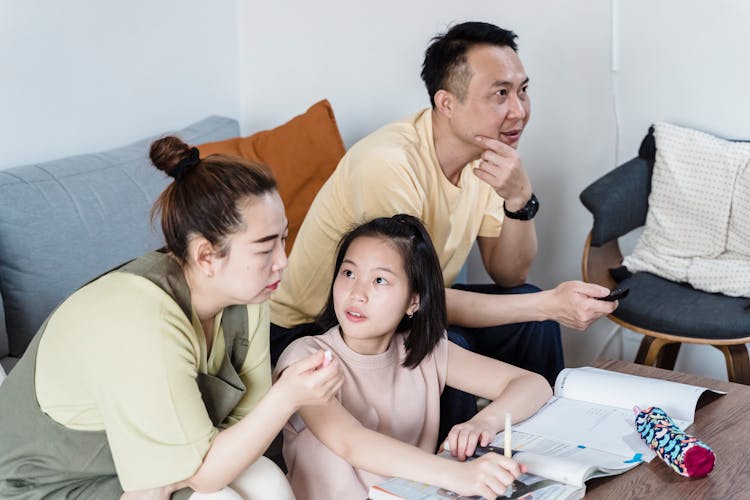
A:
(463, 438)
(312, 380)
(488, 476)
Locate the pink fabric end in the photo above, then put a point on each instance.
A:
(699, 461)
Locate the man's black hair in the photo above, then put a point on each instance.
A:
(445, 66)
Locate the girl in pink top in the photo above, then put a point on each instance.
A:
(385, 320)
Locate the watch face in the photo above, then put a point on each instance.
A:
(533, 205)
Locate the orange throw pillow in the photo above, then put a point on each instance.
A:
(302, 153)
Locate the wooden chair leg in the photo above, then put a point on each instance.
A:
(668, 356)
(643, 349)
(738, 363)
(648, 352)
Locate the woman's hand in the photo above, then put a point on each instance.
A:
(310, 381)
(463, 438)
(488, 476)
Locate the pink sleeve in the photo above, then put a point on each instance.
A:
(294, 352)
(441, 360)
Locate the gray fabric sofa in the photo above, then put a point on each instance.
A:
(66, 221)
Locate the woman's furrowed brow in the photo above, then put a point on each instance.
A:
(266, 238)
(271, 236)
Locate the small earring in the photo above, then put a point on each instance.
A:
(409, 315)
(210, 274)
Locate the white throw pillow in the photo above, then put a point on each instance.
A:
(738, 239)
(698, 223)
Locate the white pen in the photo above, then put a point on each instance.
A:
(507, 435)
(508, 450)
(327, 358)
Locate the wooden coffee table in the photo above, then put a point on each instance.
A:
(723, 424)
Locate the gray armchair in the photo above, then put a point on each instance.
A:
(666, 313)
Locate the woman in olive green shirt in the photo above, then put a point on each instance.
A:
(154, 380)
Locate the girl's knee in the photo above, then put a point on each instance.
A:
(260, 481)
(226, 493)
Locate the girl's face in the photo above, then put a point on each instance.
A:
(252, 268)
(371, 294)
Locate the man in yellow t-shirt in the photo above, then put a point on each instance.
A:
(456, 167)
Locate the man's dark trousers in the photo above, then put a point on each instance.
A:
(534, 346)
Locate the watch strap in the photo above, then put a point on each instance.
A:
(527, 212)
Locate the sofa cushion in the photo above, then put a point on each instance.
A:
(3, 334)
(302, 154)
(64, 222)
(677, 308)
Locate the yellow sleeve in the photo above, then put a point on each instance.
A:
(256, 371)
(492, 221)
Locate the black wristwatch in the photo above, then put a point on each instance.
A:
(527, 212)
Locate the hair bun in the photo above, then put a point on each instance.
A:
(170, 154)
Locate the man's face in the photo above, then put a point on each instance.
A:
(496, 104)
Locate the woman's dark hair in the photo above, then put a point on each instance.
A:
(445, 65)
(412, 241)
(206, 196)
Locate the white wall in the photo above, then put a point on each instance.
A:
(82, 75)
(683, 62)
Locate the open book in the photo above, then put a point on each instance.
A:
(526, 487)
(585, 430)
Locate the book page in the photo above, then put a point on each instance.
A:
(561, 461)
(532, 487)
(621, 390)
(588, 425)
(526, 487)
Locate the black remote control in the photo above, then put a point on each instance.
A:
(616, 294)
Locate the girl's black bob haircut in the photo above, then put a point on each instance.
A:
(409, 237)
